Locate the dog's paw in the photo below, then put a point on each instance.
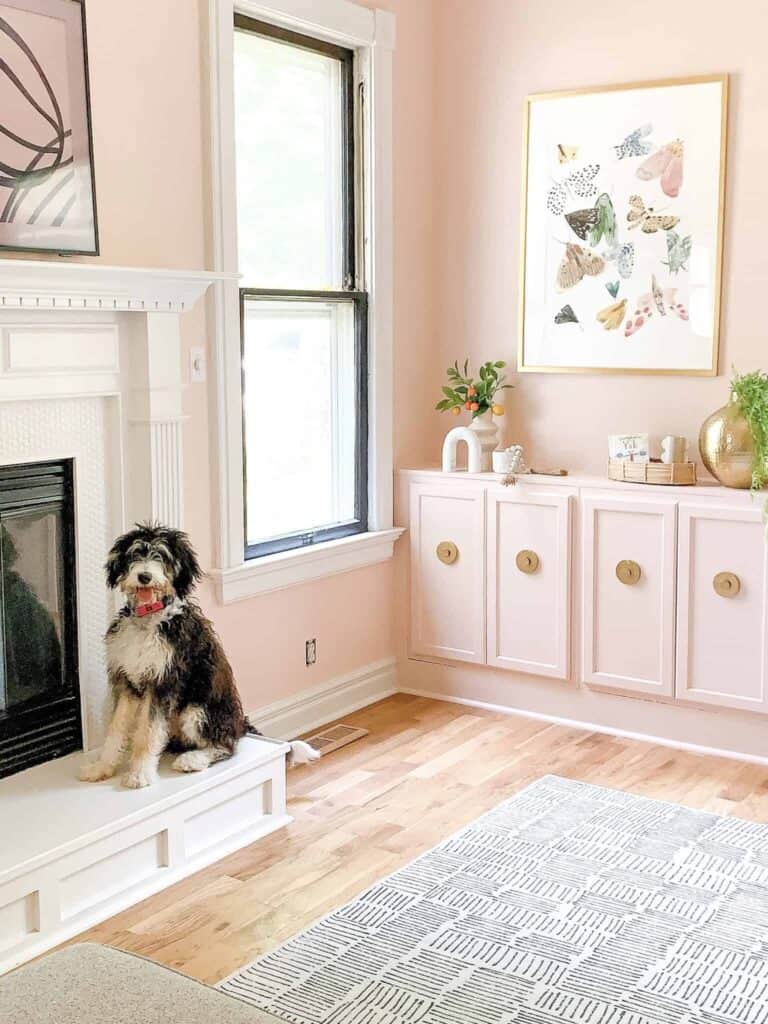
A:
(191, 761)
(138, 778)
(302, 753)
(97, 771)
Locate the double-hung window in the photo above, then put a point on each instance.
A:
(303, 308)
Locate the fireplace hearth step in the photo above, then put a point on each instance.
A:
(73, 853)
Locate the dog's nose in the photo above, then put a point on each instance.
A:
(145, 579)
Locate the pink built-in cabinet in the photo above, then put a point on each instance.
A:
(529, 580)
(654, 591)
(628, 605)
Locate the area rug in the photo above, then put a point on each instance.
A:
(567, 903)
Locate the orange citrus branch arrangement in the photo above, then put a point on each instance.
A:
(477, 396)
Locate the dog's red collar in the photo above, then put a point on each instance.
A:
(149, 609)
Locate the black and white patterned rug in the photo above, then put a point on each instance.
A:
(567, 903)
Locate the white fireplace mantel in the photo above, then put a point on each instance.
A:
(92, 369)
(45, 284)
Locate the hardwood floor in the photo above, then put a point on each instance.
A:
(426, 769)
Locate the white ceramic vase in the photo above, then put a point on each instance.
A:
(488, 433)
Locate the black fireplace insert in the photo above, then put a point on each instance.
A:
(40, 715)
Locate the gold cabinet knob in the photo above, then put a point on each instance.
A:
(726, 584)
(447, 552)
(527, 561)
(628, 572)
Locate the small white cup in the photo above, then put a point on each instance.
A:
(673, 448)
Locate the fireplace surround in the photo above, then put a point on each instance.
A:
(91, 380)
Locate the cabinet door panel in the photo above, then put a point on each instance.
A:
(721, 637)
(629, 625)
(448, 600)
(529, 611)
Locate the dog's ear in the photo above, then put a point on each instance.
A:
(115, 564)
(188, 570)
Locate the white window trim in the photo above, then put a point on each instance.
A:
(372, 34)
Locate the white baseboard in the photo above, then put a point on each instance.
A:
(293, 716)
(608, 730)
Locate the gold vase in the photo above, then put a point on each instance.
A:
(726, 446)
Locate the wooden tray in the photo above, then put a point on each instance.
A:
(677, 474)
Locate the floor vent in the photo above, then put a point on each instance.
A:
(335, 736)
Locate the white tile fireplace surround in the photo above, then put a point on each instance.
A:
(91, 370)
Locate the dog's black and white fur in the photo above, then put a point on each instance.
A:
(172, 684)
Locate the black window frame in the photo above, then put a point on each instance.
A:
(351, 292)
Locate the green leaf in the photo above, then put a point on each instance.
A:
(448, 392)
(500, 363)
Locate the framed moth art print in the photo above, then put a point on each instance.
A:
(622, 228)
(47, 195)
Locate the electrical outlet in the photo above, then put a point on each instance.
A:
(311, 651)
(197, 367)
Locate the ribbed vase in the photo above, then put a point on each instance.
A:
(488, 433)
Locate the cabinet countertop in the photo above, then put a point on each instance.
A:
(706, 488)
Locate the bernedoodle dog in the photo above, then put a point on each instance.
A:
(172, 685)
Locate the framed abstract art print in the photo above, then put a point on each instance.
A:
(47, 200)
(622, 228)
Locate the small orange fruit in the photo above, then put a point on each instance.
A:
(471, 391)
(474, 406)
(455, 410)
(467, 405)
(498, 410)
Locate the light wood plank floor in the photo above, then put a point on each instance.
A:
(427, 768)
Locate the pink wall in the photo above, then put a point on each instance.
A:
(148, 85)
(489, 55)
(462, 70)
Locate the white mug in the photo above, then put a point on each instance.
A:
(673, 448)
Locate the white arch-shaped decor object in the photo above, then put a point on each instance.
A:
(474, 450)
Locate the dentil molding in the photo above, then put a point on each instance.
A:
(61, 285)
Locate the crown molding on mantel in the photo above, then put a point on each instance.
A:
(42, 284)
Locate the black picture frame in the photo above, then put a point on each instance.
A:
(40, 232)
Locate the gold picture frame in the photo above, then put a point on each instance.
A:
(527, 350)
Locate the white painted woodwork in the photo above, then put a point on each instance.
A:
(82, 852)
(448, 601)
(529, 614)
(70, 287)
(371, 34)
(722, 642)
(628, 631)
(31, 349)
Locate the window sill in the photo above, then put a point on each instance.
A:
(290, 568)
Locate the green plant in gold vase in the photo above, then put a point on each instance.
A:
(750, 391)
(734, 440)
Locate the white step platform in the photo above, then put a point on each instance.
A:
(74, 853)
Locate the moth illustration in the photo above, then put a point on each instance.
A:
(612, 316)
(579, 183)
(577, 263)
(581, 222)
(678, 252)
(613, 288)
(566, 316)
(624, 256)
(634, 144)
(597, 222)
(661, 300)
(647, 219)
(567, 153)
(667, 164)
